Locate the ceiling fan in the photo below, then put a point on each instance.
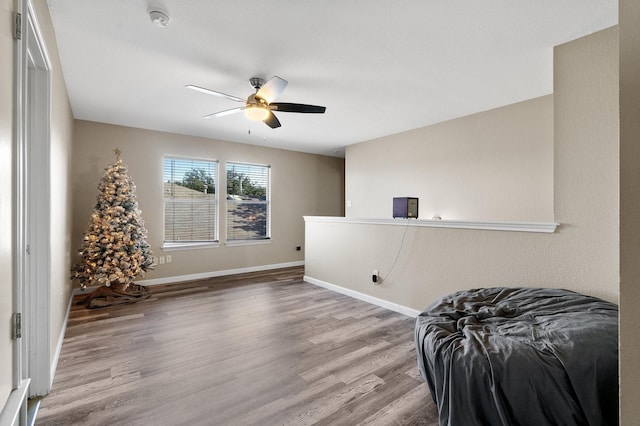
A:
(259, 106)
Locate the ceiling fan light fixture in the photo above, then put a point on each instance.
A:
(256, 112)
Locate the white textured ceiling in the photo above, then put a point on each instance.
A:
(380, 67)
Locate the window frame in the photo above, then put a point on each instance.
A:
(170, 245)
(248, 241)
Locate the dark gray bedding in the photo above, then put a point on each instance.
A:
(520, 356)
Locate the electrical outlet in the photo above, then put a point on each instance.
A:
(162, 260)
(168, 258)
(298, 248)
(155, 260)
(374, 276)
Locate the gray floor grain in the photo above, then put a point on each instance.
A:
(261, 348)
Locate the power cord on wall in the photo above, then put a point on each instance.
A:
(393, 265)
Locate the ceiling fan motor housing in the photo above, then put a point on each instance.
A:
(252, 100)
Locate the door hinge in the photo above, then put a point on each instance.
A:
(17, 326)
(17, 26)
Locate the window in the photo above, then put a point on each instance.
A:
(190, 204)
(248, 197)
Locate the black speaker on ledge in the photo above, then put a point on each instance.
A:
(405, 207)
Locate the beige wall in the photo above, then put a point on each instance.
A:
(6, 196)
(302, 184)
(493, 166)
(582, 255)
(586, 156)
(629, 210)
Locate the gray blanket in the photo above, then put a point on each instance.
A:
(520, 356)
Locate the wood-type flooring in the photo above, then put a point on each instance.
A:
(261, 348)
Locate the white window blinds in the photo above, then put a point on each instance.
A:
(190, 203)
(248, 198)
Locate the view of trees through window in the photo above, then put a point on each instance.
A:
(199, 180)
(247, 201)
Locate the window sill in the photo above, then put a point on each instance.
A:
(189, 246)
(247, 242)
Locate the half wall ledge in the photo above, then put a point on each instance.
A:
(545, 227)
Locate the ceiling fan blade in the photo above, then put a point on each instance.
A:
(214, 93)
(225, 112)
(272, 89)
(272, 121)
(288, 107)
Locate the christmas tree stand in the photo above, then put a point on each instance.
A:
(116, 294)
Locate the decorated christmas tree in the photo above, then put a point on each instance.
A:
(114, 249)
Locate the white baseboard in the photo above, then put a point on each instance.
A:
(205, 275)
(364, 297)
(63, 330)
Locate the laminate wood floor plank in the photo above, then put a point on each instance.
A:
(262, 348)
(359, 410)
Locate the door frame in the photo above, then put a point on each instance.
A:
(32, 277)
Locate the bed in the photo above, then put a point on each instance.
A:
(520, 356)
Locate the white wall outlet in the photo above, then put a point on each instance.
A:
(168, 258)
(161, 260)
(155, 260)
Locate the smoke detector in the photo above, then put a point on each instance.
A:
(159, 18)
